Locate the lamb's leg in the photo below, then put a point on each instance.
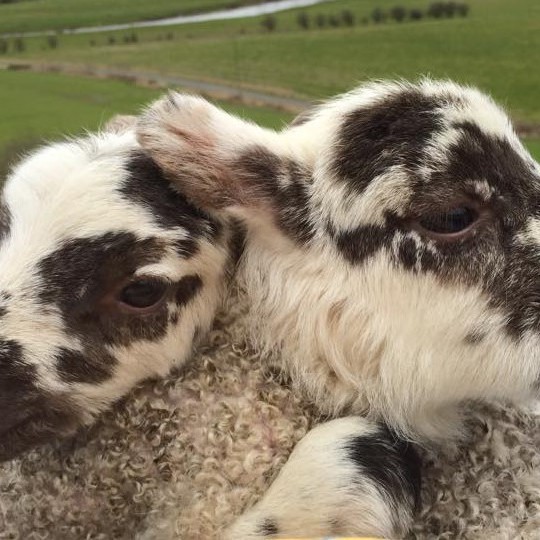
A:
(346, 477)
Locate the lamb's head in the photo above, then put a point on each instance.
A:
(393, 244)
(107, 276)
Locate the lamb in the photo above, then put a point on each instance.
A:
(391, 261)
(110, 276)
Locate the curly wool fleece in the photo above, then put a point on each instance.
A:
(181, 457)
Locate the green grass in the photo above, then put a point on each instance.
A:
(533, 146)
(35, 15)
(496, 48)
(65, 104)
(37, 107)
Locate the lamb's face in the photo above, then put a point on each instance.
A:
(434, 204)
(107, 276)
(434, 177)
(394, 242)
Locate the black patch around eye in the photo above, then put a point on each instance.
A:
(66, 273)
(75, 276)
(391, 464)
(187, 288)
(77, 367)
(146, 185)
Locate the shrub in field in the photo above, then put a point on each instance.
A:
(320, 20)
(303, 20)
(112, 40)
(348, 18)
(416, 14)
(462, 10)
(19, 44)
(398, 13)
(131, 38)
(447, 9)
(436, 10)
(52, 42)
(4, 46)
(269, 23)
(451, 9)
(378, 15)
(333, 20)
(169, 36)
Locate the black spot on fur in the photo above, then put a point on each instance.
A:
(5, 220)
(474, 337)
(283, 184)
(268, 527)
(147, 186)
(186, 247)
(359, 244)
(392, 131)
(408, 253)
(17, 383)
(391, 464)
(186, 289)
(74, 366)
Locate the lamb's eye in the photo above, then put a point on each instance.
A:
(143, 293)
(453, 221)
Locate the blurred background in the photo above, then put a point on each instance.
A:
(68, 65)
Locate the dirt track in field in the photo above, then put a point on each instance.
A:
(216, 90)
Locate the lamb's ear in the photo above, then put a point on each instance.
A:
(217, 160)
(120, 123)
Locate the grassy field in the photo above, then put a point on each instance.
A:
(35, 15)
(497, 47)
(37, 107)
